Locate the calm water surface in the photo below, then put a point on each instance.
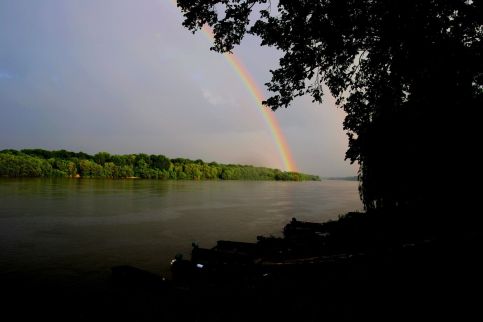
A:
(67, 228)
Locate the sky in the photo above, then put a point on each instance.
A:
(124, 76)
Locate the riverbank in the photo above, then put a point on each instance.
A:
(360, 267)
(314, 272)
(42, 163)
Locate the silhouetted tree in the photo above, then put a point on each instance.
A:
(408, 73)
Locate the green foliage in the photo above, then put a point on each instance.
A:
(42, 163)
(111, 170)
(21, 165)
(126, 171)
(159, 162)
(90, 169)
(63, 168)
(102, 157)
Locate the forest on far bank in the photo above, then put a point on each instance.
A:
(62, 163)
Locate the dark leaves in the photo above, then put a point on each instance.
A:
(397, 68)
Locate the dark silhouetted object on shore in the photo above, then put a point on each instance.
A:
(409, 75)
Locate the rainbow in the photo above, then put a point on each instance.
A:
(267, 114)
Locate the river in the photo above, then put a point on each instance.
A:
(74, 230)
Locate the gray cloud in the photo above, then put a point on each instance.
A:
(124, 76)
(5, 75)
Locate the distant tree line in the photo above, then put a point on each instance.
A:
(62, 163)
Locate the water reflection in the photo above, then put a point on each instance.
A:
(70, 227)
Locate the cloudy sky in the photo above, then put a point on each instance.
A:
(124, 76)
